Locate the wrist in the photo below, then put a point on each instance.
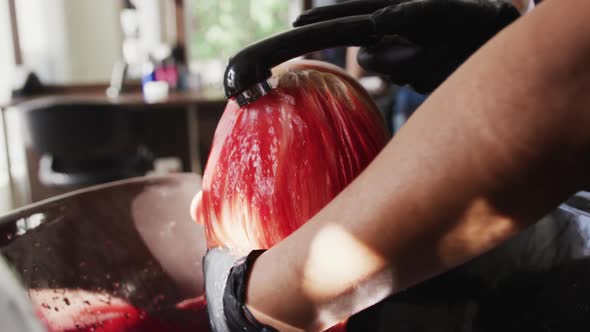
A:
(238, 316)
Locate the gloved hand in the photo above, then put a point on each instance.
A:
(225, 286)
(425, 40)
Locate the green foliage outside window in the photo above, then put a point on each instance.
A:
(220, 28)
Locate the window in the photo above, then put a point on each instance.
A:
(6, 68)
(69, 41)
(218, 29)
(6, 56)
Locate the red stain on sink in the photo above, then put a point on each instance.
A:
(188, 316)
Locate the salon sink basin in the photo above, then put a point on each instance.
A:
(126, 256)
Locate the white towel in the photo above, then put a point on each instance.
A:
(16, 311)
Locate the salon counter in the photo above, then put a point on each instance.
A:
(181, 126)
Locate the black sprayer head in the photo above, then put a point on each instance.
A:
(246, 75)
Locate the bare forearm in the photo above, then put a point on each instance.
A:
(491, 151)
(352, 66)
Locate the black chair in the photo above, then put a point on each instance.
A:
(84, 143)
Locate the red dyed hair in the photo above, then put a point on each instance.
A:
(278, 161)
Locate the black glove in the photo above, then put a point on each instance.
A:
(225, 288)
(424, 40)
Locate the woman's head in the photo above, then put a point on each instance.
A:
(278, 161)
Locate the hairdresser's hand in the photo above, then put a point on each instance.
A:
(225, 287)
(424, 40)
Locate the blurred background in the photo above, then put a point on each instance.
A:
(95, 91)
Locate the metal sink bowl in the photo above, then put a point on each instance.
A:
(124, 256)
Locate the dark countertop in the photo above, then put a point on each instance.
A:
(96, 94)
